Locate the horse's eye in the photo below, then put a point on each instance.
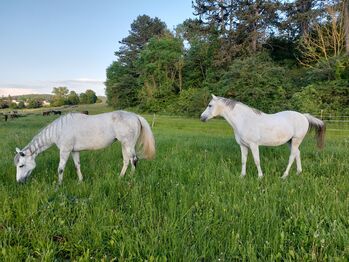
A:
(21, 166)
(209, 105)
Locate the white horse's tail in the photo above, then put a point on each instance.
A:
(320, 129)
(146, 140)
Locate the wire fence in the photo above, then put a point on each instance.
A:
(335, 123)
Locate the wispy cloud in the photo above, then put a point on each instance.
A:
(78, 85)
(17, 91)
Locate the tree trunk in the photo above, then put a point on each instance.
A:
(255, 27)
(346, 25)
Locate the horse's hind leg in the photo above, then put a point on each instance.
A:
(295, 153)
(128, 155)
(76, 158)
(255, 153)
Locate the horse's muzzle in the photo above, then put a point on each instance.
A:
(203, 118)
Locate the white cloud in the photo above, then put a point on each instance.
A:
(17, 91)
(78, 85)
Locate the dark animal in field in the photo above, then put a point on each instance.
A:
(14, 114)
(56, 112)
(46, 113)
(6, 117)
(85, 112)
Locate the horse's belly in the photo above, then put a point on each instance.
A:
(92, 145)
(279, 137)
(97, 140)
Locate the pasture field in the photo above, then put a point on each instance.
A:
(189, 204)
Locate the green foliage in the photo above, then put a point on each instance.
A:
(160, 66)
(21, 105)
(332, 97)
(334, 68)
(307, 100)
(59, 96)
(34, 103)
(122, 77)
(256, 81)
(73, 98)
(13, 106)
(121, 86)
(91, 97)
(192, 101)
(4, 103)
(263, 54)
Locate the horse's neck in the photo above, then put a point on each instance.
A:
(238, 115)
(43, 140)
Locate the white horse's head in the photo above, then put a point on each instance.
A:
(212, 110)
(25, 164)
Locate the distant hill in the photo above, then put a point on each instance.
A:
(34, 96)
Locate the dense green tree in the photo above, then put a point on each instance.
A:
(21, 105)
(59, 95)
(161, 68)
(299, 16)
(258, 82)
(121, 86)
(73, 98)
(142, 29)
(122, 76)
(242, 25)
(91, 97)
(34, 103)
(83, 98)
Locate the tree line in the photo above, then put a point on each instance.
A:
(61, 96)
(270, 54)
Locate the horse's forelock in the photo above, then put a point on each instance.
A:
(16, 159)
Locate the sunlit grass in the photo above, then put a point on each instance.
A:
(188, 204)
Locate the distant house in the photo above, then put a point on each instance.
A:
(46, 103)
(15, 101)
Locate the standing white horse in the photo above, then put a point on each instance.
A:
(76, 132)
(253, 128)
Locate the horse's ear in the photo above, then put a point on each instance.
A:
(213, 96)
(19, 152)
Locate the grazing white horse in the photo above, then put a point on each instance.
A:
(76, 132)
(253, 128)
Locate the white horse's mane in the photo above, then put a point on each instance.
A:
(232, 102)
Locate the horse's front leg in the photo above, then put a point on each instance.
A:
(255, 152)
(244, 153)
(64, 155)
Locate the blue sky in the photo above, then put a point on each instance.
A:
(44, 44)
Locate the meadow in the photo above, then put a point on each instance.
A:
(189, 204)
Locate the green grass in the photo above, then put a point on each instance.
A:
(188, 204)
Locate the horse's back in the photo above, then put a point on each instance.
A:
(277, 129)
(294, 120)
(84, 132)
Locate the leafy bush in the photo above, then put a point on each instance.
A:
(330, 96)
(258, 82)
(192, 102)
